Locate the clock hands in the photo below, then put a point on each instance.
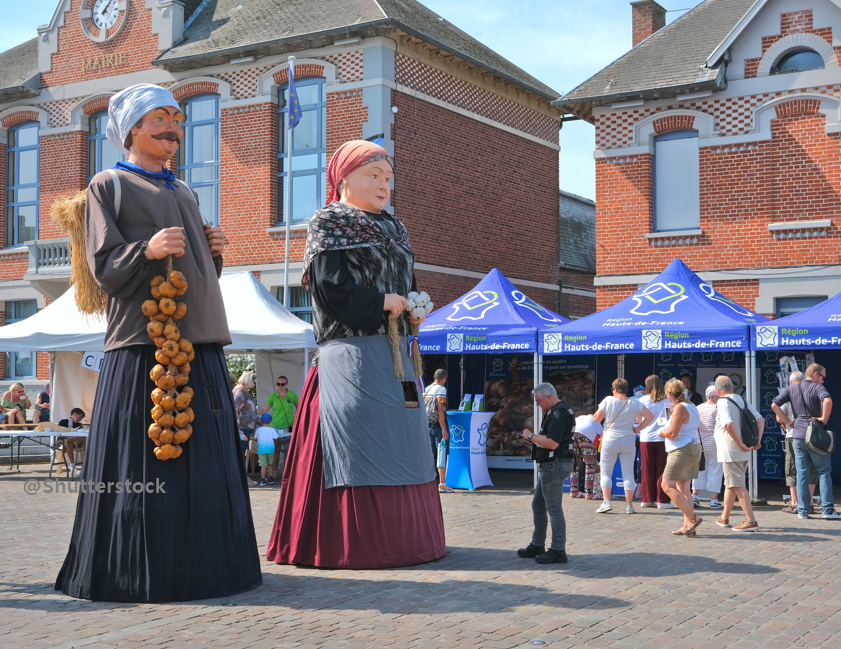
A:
(106, 7)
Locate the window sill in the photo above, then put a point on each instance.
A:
(280, 230)
(674, 238)
(19, 249)
(799, 229)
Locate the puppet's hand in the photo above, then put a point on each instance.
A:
(215, 239)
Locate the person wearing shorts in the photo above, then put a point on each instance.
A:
(265, 436)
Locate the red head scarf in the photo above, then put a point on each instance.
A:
(348, 157)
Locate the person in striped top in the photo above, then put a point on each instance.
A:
(710, 477)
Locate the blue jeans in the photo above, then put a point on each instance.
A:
(547, 506)
(804, 459)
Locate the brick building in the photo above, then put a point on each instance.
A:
(718, 141)
(459, 118)
(578, 255)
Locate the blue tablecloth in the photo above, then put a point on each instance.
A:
(467, 464)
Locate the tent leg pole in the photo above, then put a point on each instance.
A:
(620, 366)
(538, 378)
(751, 394)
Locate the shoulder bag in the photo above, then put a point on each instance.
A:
(607, 428)
(818, 439)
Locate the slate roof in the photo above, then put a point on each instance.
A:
(578, 232)
(220, 31)
(670, 62)
(19, 75)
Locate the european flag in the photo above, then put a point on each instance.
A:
(294, 106)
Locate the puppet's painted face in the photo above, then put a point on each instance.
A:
(368, 187)
(159, 134)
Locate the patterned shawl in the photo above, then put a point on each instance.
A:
(340, 227)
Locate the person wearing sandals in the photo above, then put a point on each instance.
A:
(619, 441)
(733, 453)
(683, 446)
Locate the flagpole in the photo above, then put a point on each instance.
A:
(287, 192)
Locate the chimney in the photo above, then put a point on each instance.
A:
(649, 17)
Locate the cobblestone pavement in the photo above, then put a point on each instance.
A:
(629, 583)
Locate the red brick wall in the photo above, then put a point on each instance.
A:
(249, 161)
(14, 265)
(575, 306)
(462, 203)
(345, 117)
(136, 40)
(63, 173)
(18, 117)
(796, 175)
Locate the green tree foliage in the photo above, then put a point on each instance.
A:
(239, 363)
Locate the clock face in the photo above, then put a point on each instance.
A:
(103, 19)
(105, 13)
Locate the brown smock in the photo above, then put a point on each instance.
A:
(116, 251)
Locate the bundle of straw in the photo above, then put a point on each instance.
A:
(394, 339)
(69, 215)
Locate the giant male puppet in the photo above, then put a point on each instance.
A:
(163, 415)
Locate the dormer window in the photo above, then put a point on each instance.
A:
(798, 60)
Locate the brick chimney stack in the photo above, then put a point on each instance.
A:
(649, 17)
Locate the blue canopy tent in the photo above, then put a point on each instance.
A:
(675, 312)
(495, 316)
(817, 329)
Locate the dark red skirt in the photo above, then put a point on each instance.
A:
(652, 464)
(348, 527)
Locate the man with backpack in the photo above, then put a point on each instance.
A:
(737, 422)
(435, 398)
(809, 400)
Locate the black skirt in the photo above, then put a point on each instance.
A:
(194, 541)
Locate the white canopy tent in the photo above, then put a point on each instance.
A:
(257, 321)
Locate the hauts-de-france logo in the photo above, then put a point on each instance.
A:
(652, 339)
(457, 433)
(711, 294)
(658, 298)
(474, 306)
(766, 336)
(455, 342)
(520, 299)
(552, 343)
(483, 434)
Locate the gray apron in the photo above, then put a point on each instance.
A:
(368, 435)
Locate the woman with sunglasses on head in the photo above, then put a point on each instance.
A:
(282, 403)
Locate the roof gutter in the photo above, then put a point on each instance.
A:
(238, 52)
(29, 88)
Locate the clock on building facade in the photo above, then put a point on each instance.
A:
(102, 20)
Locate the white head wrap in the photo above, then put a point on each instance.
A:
(127, 107)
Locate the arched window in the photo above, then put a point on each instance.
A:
(22, 175)
(309, 150)
(677, 199)
(101, 153)
(199, 154)
(798, 60)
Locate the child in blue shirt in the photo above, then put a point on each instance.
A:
(265, 436)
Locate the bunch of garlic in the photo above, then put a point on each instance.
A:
(418, 304)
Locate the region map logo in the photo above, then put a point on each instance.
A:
(552, 343)
(652, 339)
(766, 336)
(455, 342)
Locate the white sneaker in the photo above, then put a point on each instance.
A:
(647, 505)
(715, 504)
(629, 508)
(665, 505)
(76, 473)
(606, 507)
(696, 500)
(833, 516)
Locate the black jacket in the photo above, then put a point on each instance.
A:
(558, 425)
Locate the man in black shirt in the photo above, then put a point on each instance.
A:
(74, 421)
(553, 453)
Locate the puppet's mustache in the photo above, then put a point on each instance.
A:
(172, 137)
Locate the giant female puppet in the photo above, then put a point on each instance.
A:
(359, 489)
(177, 528)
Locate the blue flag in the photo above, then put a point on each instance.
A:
(294, 106)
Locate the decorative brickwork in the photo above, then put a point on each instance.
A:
(18, 117)
(135, 41)
(674, 123)
(193, 89)
(798, 107)
(430, 81)
(96, 105)
(457, 216)
(59, 111)
(243, 82)
(348, 65)
(307, 70)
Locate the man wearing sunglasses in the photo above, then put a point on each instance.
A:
(809, 400)
(282, 405)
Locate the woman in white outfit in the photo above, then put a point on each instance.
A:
(619, 441)
(683, 444)
(710, 477)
